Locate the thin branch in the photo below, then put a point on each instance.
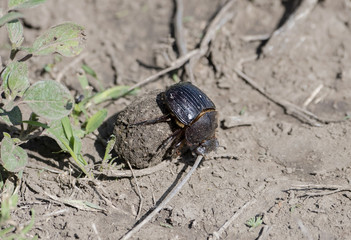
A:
(280, 35)
(219, 233)
(138, 188)
(174, 65)
(293, 110)
(221, 18)
(174, 192)
(290, 109)
(313, 95)
(70, 65)
(137, 172)
(319, 190)
(258, 37)
(93, 225)
(179, 36)
(264, 233)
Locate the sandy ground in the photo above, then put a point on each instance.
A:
(260, 162)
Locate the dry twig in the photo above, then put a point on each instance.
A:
(93, 225)
(70, 65)
(319, 190)
(180, 38)
(219, 233)
(258, 37)
(222, 17)
(313, 95)
(46, 217)
(290, 109)
(280, 35)
(264, 233)
(137, 173)
(276, 42)
(174, 192)
(138, 188)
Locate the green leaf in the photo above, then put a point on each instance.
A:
(89, 70)
(8, 17)
(13, 117)
(56, 132)
(74, 141)
(110, 144)
(36, 124)
(15, 77)
(84, 83)
(15, 31)
(67, 128)
(95, 121)
(49, 99)
(68, 140)
(18, 4)
(13, 158)
(112, 93)
(67, 39)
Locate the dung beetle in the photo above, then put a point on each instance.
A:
(195, 115)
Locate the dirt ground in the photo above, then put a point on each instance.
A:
(260, 162)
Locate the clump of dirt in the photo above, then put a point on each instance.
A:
(141, 144)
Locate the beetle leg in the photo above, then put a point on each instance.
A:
(175, 135)
(163, 118)
(179, 147)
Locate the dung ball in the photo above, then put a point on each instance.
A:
(139, 144)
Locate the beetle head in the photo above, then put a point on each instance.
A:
(200, 135)
(207, 147)
(202, 129)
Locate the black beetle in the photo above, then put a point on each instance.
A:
(194, 113)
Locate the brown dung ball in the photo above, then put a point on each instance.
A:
(138, 144)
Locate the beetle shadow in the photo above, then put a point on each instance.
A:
(45, 150)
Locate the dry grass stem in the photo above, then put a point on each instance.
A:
(174, 192)
(138, 189)
(219, 233)
(221, 18)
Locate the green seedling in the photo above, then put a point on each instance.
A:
(88, 70)
(242, 111)
(254, 222)
(292, 208)
(69, 139)
(8, 189)
(107, 156)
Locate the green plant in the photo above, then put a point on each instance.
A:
(48, 99)
(254, 221)
(8, 230)
(9, 195)
(53, 109)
